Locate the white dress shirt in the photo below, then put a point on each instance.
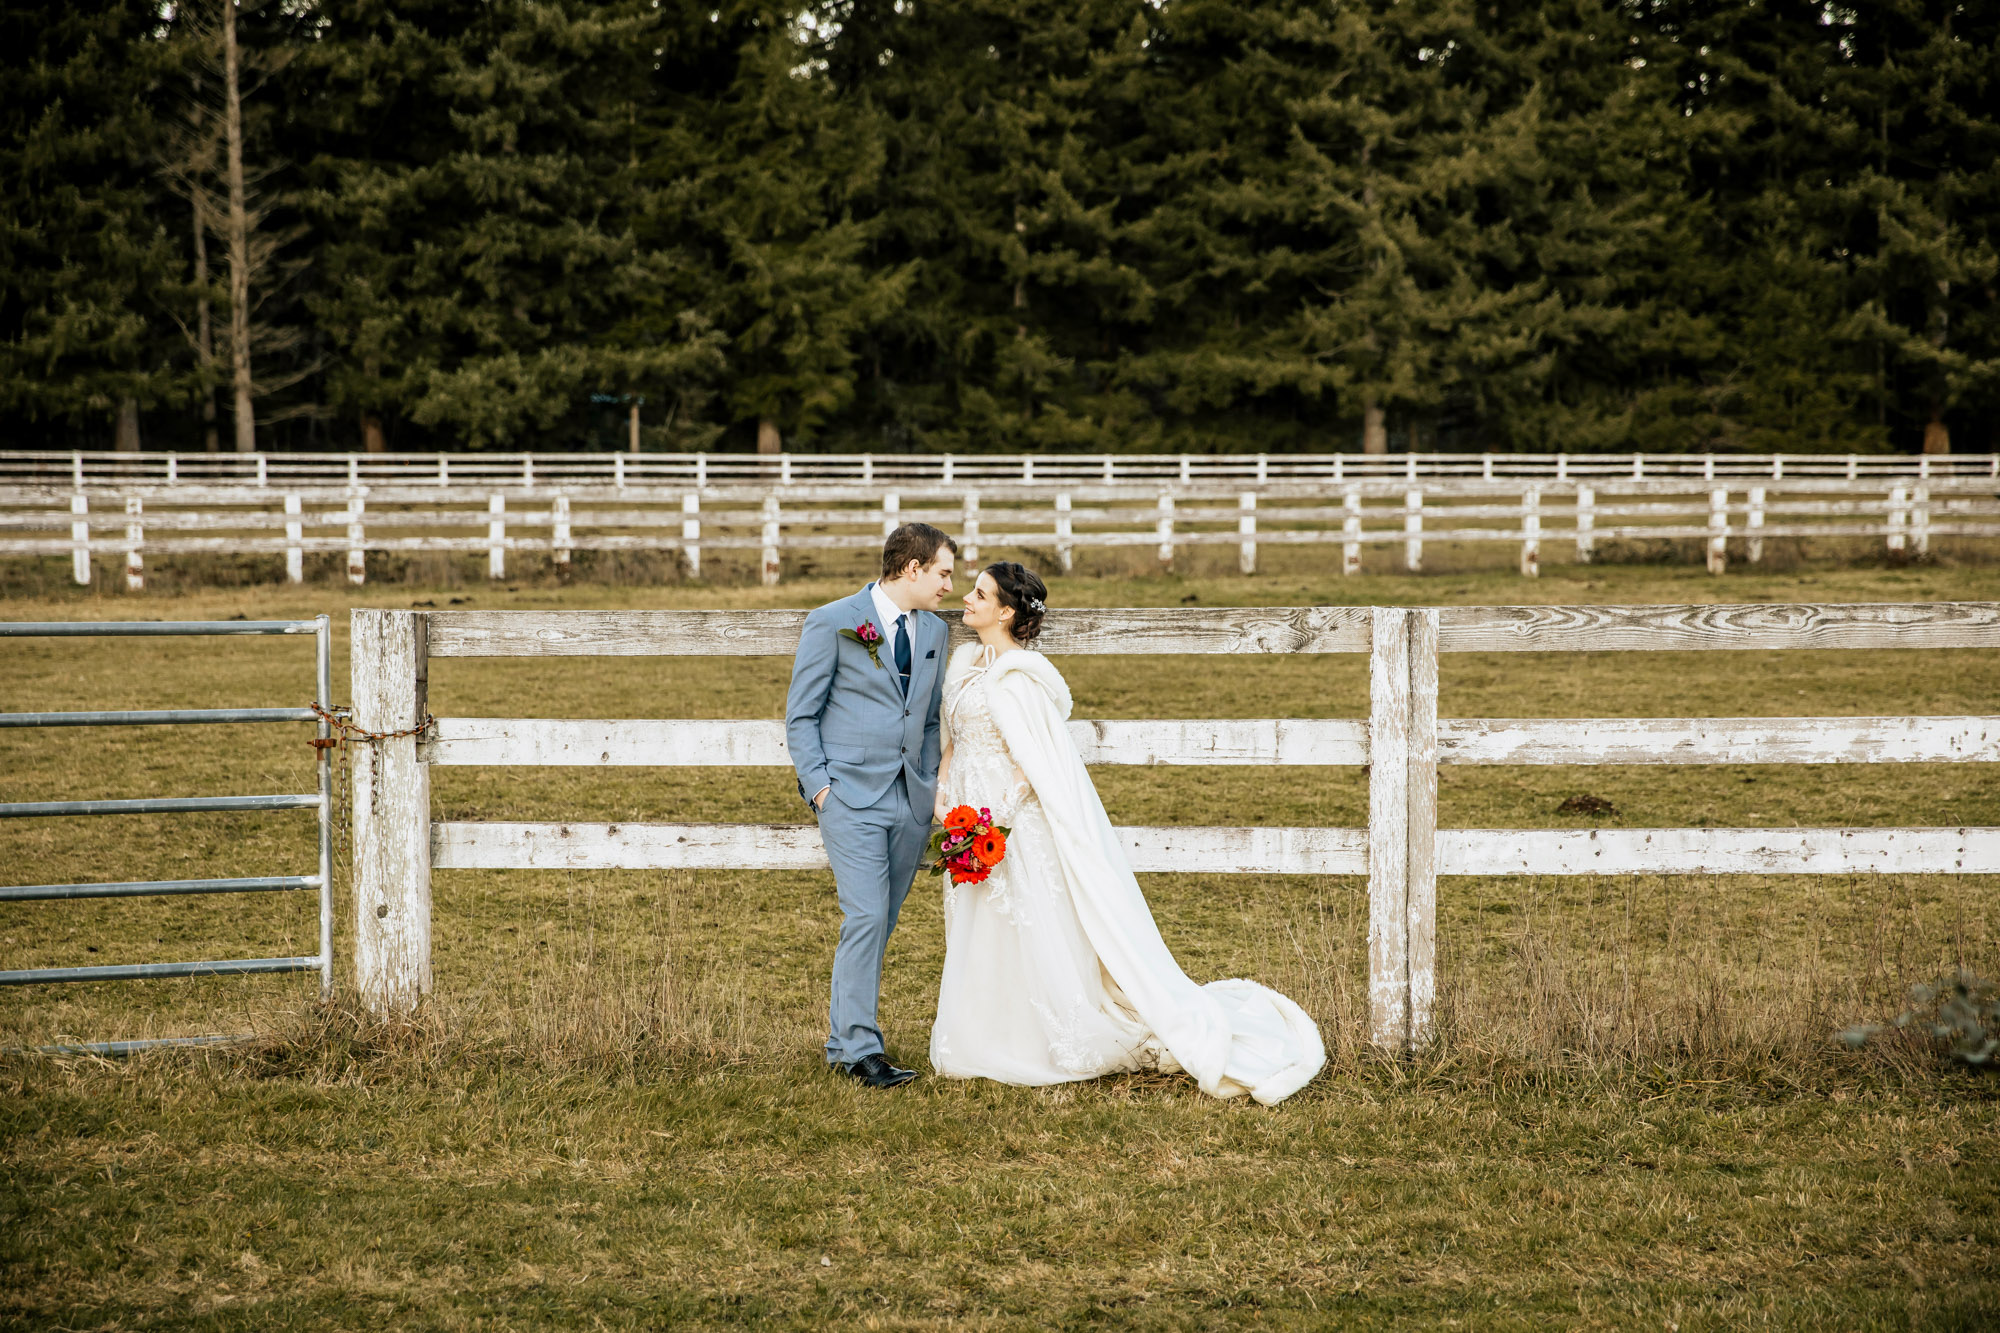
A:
(886, 613)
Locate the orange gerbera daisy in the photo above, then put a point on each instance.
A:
(990, 847)
(969, 876)
(960, 817)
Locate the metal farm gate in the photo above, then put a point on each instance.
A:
(320, 801)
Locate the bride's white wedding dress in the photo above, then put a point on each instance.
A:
(1054, 970)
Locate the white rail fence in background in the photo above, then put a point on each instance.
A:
(95, 469)
(1402, 852)
(1905, 516)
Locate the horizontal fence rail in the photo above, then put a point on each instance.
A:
(799, 513)
(88, 468)
(1402, 743)
(320, 801)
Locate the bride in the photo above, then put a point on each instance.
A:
(1054, 971)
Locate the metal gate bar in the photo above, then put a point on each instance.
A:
(179, 717)
(138, 888)
(319, 627)
(157, 805)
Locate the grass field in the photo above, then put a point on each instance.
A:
(613, 1114)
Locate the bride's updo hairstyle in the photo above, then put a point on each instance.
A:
(1022, 589)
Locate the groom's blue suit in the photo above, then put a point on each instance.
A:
(853, 726)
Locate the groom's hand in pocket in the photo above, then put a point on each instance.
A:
(819, 801)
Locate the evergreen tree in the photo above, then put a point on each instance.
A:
(90, 270)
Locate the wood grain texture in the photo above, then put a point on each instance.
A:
(1734, 740)
(761, 743)
(392, 802)
(1420, 873)
(1500, 629)
(1732, 851)
(495, 845)
(1388, 822)
(1329, 629)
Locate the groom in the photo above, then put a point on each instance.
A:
(861, 722)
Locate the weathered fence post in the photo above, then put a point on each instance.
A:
(559, 529)
(944, 473)
(1920, 521)
(1263, 468)
(618, 471)
(357, 550)
(496, 537)
(1486, 467)
(1185, 477)
(1246, 528)
(1413, 531)
(1388, 822)
(1164, 527)
(867, 469)
(295, 531)
(444, 470)
(1586, 524)
(1065, 549)
(691, 533)
(1027, 468)
(1718, 531)
(968, 524)
(1531, 534)
(392, 812)
(135, 537)
(79, 533)
(1350, 531)
(771, 558)
(1753, 527)
(1110, 472)
(892, 512)
(1899, 516)
(1420, 868)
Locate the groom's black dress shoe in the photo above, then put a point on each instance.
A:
(877, 1072)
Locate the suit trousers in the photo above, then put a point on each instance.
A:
(875, 853)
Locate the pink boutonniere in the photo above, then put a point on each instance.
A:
(868, 637)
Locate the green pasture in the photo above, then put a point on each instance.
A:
(613, 1115)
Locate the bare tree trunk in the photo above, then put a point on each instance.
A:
(204, 325)
(1937, 435)
(635, 428)
(1374, 430)
(239, 240)
(128, 425)
(371, 434)
(768, 439)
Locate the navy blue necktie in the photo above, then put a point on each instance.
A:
(903, 650)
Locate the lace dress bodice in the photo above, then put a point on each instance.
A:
(982, 773)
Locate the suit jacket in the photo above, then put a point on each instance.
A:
(847, 722)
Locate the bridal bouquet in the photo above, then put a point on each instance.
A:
(968, 846)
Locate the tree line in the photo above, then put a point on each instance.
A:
(965, 225)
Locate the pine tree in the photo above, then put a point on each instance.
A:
(89, 268)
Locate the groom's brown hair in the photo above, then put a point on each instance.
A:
(913, 541)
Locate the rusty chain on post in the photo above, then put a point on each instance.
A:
(347, 735)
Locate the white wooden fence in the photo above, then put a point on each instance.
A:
(1402, 851)
(484, 471)
(1058, 521)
